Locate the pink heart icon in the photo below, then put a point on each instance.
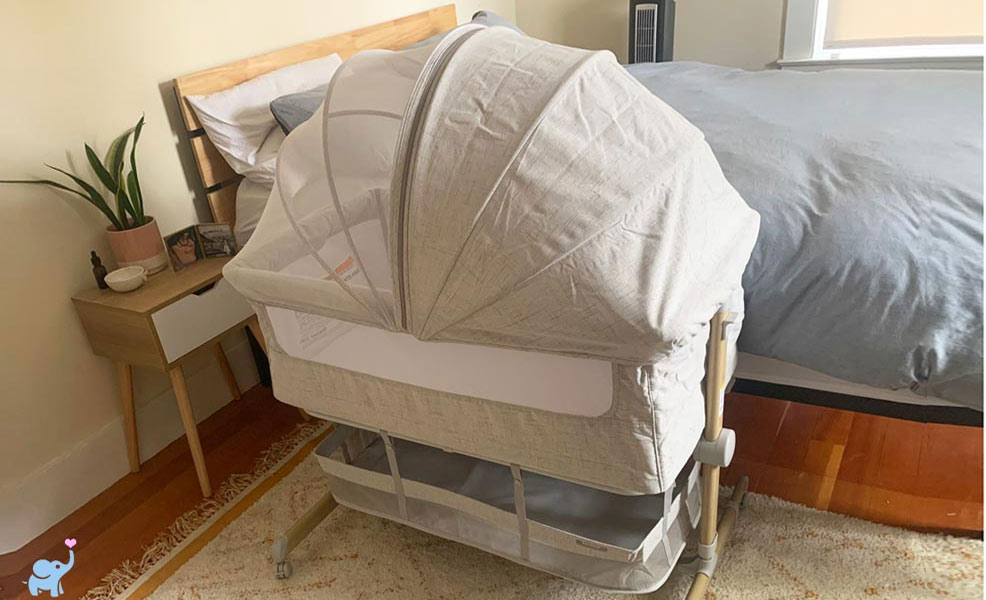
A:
(70, 542)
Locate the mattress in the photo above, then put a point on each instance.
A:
(869, 263)
(770, 370)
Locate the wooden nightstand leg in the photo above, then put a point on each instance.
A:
(126, 376)
(254, 326)
(191, 430)
(227, 371)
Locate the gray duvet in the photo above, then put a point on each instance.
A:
(870, 189)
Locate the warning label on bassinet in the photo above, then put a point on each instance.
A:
(347, 269)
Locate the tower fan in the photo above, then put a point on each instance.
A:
(651, 31)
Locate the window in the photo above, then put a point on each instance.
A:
(908, 32)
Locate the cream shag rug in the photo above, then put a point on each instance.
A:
(779, 550)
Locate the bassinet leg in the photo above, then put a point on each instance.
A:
(720, 537)
(299, 531)
(715, 451)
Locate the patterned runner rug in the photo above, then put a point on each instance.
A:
(779, 550)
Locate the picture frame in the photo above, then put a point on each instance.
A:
(217, 239)
(184, 247)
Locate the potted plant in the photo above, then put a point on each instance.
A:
(133, 236)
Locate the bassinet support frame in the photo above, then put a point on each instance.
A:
(714, 452)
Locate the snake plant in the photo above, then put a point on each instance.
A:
(123, 186)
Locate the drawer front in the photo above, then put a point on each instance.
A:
(197, 318)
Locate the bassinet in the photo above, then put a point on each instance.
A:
(496, 260)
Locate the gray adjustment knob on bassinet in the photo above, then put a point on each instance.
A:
(719, 452)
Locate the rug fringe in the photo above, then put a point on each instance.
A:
(120, 578)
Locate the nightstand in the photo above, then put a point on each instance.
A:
(159, 325)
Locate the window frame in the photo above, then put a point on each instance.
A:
(804, 37)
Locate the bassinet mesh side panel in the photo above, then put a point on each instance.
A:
(322, 243)
(562, 384)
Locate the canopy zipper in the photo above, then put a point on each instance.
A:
(431, 78)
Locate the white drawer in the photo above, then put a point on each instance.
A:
(197, 318)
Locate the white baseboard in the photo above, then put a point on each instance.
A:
(29, 506)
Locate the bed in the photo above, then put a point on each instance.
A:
(870, 263)
(774, 360)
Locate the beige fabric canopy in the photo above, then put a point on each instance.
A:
(496, 189)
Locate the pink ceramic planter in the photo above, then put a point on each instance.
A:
(142, 246)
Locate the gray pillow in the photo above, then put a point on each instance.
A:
(294, 109)
(483, 17)
(491, 19)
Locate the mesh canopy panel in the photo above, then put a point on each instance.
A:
(501, 190)
(322, 243)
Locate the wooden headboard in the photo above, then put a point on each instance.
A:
(217, 177)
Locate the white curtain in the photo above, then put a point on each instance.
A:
(873, 23)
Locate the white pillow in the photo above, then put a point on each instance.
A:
(238, 120)
(251, 198)
(266, 159)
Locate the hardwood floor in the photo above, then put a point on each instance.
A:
(914, 475)
(120, 522)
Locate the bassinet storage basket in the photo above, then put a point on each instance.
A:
(608, 540)
(505, 259)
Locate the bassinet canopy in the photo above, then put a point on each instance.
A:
(496, 189)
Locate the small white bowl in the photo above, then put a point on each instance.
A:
(127, 279)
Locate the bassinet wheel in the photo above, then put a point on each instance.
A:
(283, 570)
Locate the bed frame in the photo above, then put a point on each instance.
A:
(760, 376)
(216, 176)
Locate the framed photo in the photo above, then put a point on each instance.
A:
(183, 248)
(217, 239)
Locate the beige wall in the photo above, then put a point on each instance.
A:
(75, 72)
(737, 33)
(593, 24)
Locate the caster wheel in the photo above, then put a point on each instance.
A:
(283, 570)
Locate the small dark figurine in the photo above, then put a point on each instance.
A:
(98, 270)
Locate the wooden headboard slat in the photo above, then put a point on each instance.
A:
(223, 202)
(213, 169)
